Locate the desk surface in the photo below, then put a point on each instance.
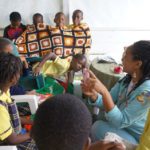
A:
(105, 73)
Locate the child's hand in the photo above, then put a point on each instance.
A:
(118, 146)
(23, 59)
(94, 83)
(26, 121)
(86, 74)
(33, 92)
(36, 71)
(90, 92)
(106, 145)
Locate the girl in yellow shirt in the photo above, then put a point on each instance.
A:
(10, 126)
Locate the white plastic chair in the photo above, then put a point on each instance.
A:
(8, 148)
(32, 100)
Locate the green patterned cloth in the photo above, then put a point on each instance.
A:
(51, 87)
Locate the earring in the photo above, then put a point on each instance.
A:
(134, 75)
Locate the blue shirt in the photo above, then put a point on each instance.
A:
(130, 109)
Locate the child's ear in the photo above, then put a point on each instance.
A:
(55, 20)
(13, 80)
(139, 64)
(87, 144)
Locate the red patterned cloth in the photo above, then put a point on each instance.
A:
(13, 33)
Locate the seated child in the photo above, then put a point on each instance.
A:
(37, 18)
(63, 122)
(54, 66)
(60, 20)
(77, 18)
(78, 26)
(7, 46)
(10, 126)
(16, 28)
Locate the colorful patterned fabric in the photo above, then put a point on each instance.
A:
(51, 87)
(13, 33)
(145, 138)
(57, 68)
(14, 116)
(28, 145)
(24, 109)
(40, 40)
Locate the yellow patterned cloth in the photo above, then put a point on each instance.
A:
(56, 68)
(40, 40)
(5, 125)
(145, 138)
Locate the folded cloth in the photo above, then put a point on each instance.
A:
(106, 59)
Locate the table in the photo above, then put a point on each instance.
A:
(105, 73)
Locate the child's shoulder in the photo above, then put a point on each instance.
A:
(23, 26)
(71, 26)
(7, 27)
(65, 27)
(82, 25)
(58, 28)
(5, 97)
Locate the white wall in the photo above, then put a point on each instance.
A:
(113, 13)
(114, 23)
(27, 8)
(112, 40)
